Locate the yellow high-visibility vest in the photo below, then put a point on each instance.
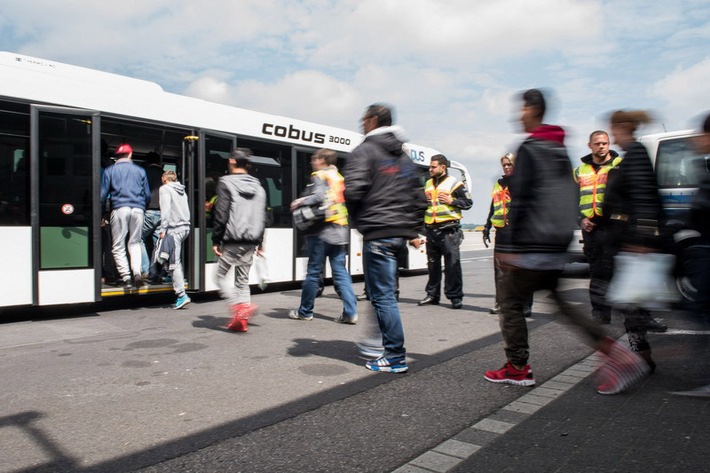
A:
(336, 212)
(438, 212)
(501, 205)
(592, 185)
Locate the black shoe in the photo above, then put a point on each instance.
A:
(527, 313)
(362, 297)
(495, 310)
(125, 284)
(456, 303)
(429, 300)
(139, 282)
(653, 325)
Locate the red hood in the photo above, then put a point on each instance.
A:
(549, 133)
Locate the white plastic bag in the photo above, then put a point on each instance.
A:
(262, 270)
(642, 280)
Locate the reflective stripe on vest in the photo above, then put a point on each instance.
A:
(592, 185)
(438, 212)
(501, 205)
(336, 212)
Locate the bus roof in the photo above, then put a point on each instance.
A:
(47, 82)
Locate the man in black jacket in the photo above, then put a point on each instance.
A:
(381, 192)
(542, 218)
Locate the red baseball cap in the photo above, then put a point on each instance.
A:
(124, 149)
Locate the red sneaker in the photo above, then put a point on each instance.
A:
(622, 369)
(509, 374)
(239, 322)
(242, 313)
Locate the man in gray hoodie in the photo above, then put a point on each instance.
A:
(238, 232)
(175, 224)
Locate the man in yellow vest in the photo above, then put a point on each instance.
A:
(591, 176)
(447, 197)
(327, 241)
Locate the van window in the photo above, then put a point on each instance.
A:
(679, 165)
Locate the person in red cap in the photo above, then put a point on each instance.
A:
(125, 184)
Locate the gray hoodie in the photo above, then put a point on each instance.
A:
(240, 210)
(174, 210)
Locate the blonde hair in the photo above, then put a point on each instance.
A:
(630, 119)
(170, 176)
(510, 157)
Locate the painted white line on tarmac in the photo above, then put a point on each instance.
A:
(684, 332)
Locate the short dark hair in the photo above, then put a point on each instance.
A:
(441, 159)
(535, 99)
(240, 156)
(152, 158)
(382, 112)
(597, 132)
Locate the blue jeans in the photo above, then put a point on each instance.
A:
(380, 265)
(318, 251)
(151, 228)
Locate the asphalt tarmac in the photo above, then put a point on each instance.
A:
(147, 388)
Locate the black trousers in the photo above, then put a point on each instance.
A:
(444, 243)
(517, 287)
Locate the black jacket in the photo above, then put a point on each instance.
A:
(632, 203)
(544, 197)
(382, 188)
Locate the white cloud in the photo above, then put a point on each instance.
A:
(685, 93)
(309, 95)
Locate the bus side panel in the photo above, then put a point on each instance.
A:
(417, 258)
(279, 260)
(355, 253)
(66, 286)
(278, 249)
(16, 257)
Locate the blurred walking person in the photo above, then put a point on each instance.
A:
(542, 218)
(382, 194)
(328, 241)
(238, 233)
(498, 218)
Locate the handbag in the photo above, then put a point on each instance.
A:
(642, 280)
(309, 218)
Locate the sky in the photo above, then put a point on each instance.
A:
(452, 69)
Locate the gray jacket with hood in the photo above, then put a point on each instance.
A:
(174, 210)
(240, 210)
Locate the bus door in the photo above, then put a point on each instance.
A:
(211, 164)
(65, 217)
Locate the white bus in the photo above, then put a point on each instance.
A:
(59, 125)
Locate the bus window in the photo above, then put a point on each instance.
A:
(14, 164)
(271, 164)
